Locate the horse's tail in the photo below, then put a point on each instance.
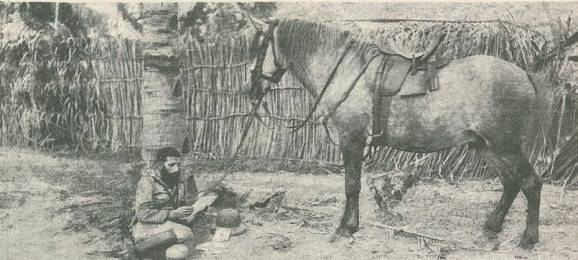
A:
(542, 111)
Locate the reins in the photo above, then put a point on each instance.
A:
(256, 75)
(333, 109)
(233, 158)
(295, 128)
(324, 89)
(258, 92)
(346, 95)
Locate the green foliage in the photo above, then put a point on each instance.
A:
(207, 19)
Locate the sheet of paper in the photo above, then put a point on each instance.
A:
(200, 205)
(222, 234)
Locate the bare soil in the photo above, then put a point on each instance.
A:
(33, 224)
(434, 207)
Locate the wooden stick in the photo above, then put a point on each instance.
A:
(414, 234)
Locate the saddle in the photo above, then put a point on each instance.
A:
(397, 64)
(396, 67)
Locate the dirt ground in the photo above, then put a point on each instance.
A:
(433, 207)
(33, 227)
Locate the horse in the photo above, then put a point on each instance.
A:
(483, 101)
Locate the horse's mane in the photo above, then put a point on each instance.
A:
(302, 38)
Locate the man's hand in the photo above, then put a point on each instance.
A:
(180, 213)
(201, 205)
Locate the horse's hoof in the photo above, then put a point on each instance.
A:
(526, 245)
(490, 234)
(339, 234)
(528, 241)
(490, 227)
(491, 230)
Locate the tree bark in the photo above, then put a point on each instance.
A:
(162, 112)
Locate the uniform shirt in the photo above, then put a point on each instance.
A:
(154, 198)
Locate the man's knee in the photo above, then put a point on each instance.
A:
(183, 232)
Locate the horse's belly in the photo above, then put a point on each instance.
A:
(418, 126)
(439, 119)
(420, 141)
(418, 137)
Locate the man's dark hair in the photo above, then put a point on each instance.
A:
(165, 152)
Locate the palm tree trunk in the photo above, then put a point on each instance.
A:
(162, 111)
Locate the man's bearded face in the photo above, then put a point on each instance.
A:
(170, 170)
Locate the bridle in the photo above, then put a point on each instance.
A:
(258, 91)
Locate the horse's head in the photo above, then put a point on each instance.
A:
(267, 65)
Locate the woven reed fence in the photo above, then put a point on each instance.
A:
(214, 76)
(118, 67)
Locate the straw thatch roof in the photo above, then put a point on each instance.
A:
(505, 40)
(538, 15)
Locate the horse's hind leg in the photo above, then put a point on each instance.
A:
(531, 187)
(352, 151)
(515, 173)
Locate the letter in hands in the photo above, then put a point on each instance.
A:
(181, 214)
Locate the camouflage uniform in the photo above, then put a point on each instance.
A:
(154, 200)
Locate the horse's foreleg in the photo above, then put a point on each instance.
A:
(352, 151)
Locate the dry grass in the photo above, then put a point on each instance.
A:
(505, 40)
(46, 96)
(58, 90)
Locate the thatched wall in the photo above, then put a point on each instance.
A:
(47, 95)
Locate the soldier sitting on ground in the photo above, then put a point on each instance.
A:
(160, 197)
